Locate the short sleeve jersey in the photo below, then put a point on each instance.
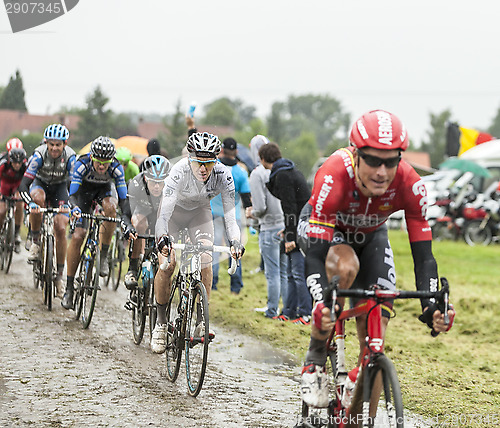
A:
(338, 203)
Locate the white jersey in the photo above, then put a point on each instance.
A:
(183, 189)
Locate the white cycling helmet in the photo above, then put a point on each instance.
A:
(203, 144)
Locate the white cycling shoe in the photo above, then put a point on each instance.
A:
(159, 339)
(199, 331)
(314, 386)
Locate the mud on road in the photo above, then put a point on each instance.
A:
(55, 374)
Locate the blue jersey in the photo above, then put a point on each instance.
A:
(85, 174)
(241, 185)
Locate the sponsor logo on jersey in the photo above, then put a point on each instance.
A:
(418, 189)
(323, 194)
(315, 287)
(317, 230)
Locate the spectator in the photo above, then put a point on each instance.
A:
(153, 148)
(267, 210)
(228, 157)
(289, 185)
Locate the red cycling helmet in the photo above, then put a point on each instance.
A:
(379, 129)
(14, 143)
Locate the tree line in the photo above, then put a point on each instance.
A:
(305, 126)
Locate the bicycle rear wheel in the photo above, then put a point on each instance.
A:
(9, 244)
(89, 294)
(197, 339)
(139, 312)
(175, 339)
(390, 407)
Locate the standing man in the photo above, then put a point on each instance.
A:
(228, 157)
(267, 210)
(288, 184)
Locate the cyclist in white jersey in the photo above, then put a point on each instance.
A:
(190, 185)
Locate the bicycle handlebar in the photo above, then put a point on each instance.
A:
(441, 296)
(199, 248)
(99, 217)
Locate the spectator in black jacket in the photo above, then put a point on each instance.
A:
(288, 184)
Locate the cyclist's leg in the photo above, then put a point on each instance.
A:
(201, 229)
(57, 196)
(3, 211)
(109, 205)
(37, 193)
(18, 219)
(140, 223)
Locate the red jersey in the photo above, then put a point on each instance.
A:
(338, 202)
(9, 178)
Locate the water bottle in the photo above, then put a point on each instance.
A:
(191, 109)
(349, 386)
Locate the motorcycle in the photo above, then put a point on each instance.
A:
(486, 230)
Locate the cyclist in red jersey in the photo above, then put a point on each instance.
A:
(12, 167)
(343, 232)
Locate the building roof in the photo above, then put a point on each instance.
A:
(22, 123)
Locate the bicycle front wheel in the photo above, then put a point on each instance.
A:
(48, 275)
(139, 312)
(89, 294)
(174, 333)
(3, 247)
(197, 339)
(382, 380)
(9, 244)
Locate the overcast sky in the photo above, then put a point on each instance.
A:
(411, 58)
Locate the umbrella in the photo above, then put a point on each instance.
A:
(465, 165)
(137, 145)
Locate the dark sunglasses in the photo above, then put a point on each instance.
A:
(375, 161)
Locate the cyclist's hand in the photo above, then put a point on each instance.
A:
(434, 318)
(130, 232)
(64, 209)
(76, 212)
(164, 245)
(237, 249)
(34, 207)
(321, 317)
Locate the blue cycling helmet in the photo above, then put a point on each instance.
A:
(56, 131)
(156, 167)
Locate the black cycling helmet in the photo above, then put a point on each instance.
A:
(102, 148)
(17, 155)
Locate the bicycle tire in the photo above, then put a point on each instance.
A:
(9, 245)
(48, 274)
(3, 250)
(80, 280)
(139, 312)
(151, 308)
(391, 391)
(89, 294)
(175, 337)
(196, 348)
(475, 235)
(110, 277)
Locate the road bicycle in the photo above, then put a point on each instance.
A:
(376, 369)
(141, 301)
(7, 234)
(187, 316)
(44, 269)
(87, 275)
(116, 257)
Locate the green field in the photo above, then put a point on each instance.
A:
(455, 375)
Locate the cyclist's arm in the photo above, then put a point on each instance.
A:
(316, 279)
(79, 171)
(228, 204)
(35, 164)
(426, 274)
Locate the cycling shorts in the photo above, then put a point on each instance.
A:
(199, 223)
(88, 193)
(55, 194)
